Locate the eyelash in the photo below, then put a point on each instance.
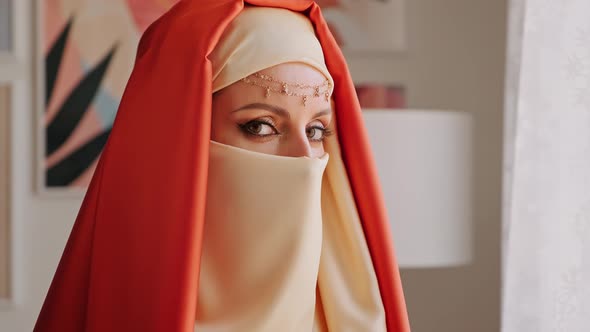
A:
(244, 128)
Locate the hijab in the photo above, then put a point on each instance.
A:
(133, 257)
(262, 37)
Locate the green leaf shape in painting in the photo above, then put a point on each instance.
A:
(71, 167)
(53, 61)
(76, 105)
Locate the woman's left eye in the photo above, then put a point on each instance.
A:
(316, 133)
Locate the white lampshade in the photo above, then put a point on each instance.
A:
(424, 164)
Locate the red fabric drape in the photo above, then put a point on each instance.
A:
(132, 260)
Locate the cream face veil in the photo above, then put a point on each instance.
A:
(262, 243)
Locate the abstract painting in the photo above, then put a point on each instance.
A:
(87, 50)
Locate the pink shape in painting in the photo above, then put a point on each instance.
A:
(147, 11)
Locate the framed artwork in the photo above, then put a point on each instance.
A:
(381, 96)
(4, 192)
(85, 54)
(366, 25)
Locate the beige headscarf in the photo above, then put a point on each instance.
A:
(262, 37)
(347, 293)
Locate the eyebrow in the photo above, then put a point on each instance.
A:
(277, 110)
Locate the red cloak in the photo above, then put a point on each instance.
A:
(132, 259)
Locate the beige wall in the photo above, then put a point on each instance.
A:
(455, 60)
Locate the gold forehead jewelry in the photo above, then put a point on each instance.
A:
(271, 84)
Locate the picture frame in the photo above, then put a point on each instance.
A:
(5, 243)
(381, 96)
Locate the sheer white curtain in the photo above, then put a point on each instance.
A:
(546, 246)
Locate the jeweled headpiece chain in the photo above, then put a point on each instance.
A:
(305, 91)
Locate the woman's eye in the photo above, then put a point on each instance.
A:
(259, 128)
(315, 134)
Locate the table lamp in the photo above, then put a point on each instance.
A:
(424, 162)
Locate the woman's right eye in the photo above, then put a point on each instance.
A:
(258, 128)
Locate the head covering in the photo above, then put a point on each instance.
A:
(132, 260)
(241, 289)
(262, 37)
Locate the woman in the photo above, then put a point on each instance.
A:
(210, 208)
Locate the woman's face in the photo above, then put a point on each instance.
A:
(279, 124)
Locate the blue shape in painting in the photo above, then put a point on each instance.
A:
(106, 106)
